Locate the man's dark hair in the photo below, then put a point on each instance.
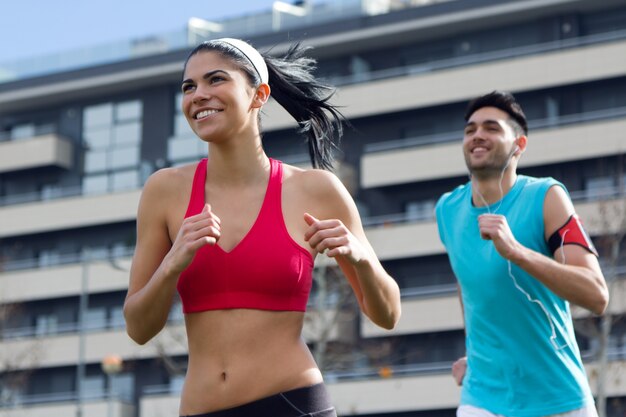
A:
(504, 101)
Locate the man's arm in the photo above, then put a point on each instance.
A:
(459, 367)
(574, 274)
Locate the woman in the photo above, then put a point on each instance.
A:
(237, 234)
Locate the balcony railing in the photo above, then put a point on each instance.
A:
(337, 376)
(478, 58)
(20, 400)
(397, 218)
(383, 220)
(548, 123)
(29, 133)
(52, 194)
(97, 254)
(377, 372)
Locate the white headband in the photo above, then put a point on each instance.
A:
(252, 54)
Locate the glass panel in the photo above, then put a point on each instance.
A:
(96, 161)
(117, 317)
(129, 110)
(50, 191)
(552, 111)
(25, 131)
(176, 383)
(420, 210)
(46, 324)
(46, 129)
(176, 312)
(96, 252)
(93, 386)
(5, 135)
(599, 187)
(179, 102)
(125, 180)
(95, 184)
(181, 126)
(98, 138)
(100, 115)
(180, 149)
(127, 134)
(124, 157)
(96, 318)
(360, 68)
(119, 249)
(49, 257)
(123, 385)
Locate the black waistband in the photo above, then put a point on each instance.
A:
(307, 401)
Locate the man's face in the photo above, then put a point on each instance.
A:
(488, 142)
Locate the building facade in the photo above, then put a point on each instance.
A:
(79, 138)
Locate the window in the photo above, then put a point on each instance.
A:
(99, 139)
(96, 184)
(184, 146)
(112, 137)
(123, 157)
(93, 386)
(129, 111)
(176, 312)
(25, 131)
(117, 317)
(599, 187)
(46, 324)
(359, 68)
(127, 134)
(420, 210)
(123, 386)
(96, 318)
(10, 395)
(49, 257)
(96, 161)
(98, 116)
(176, 383)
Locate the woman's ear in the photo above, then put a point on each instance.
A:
(261, 95)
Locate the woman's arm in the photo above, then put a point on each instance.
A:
(337, 228)
(157, 262)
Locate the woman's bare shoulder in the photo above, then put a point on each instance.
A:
(318, 192)
(170, 179)
(311, 181)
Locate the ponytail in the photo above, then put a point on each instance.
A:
(306, 99)
(295, 88)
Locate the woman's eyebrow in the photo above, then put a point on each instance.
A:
(206, 76)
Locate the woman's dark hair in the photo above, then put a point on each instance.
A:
(507, 103)
(295, 88)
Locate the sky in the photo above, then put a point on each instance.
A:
(40, 27)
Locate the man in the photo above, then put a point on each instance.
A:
(521, 256)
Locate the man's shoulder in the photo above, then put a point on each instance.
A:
(539, 186)
(537, 181)
(454, 196)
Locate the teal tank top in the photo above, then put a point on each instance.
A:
(514, 368)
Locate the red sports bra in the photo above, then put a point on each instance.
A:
(267, 270)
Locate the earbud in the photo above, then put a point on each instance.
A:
(513, 152)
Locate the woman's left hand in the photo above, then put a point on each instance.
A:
(332, 238)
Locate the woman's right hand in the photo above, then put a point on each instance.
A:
(458, 370)
(194, 233)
